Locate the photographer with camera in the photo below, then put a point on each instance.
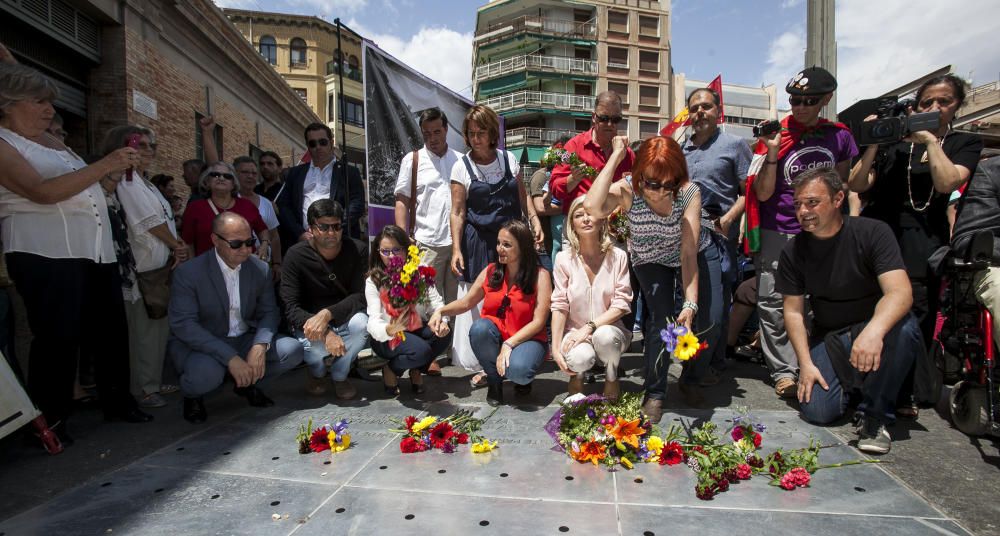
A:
(907, 185)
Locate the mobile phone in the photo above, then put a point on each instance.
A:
(133, 142)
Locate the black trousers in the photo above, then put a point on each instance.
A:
(74, 306)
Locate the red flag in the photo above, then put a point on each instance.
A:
(306, 158)
(716, 85)
(681, 119)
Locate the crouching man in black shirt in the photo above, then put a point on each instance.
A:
(853, 275)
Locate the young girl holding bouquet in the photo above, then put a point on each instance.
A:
(400, 334)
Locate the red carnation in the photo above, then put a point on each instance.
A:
(462, 439)
(801, 476)
(723, 485)
(737, 433)
(704, 492)
(319, 441)
(409, 445)
(672, 454)
(428, 271)
(409, 293)
(743, 471)
(409, 421)
(441, 434)
(756, 440)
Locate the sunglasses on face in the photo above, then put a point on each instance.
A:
(217, 174)
(613, 119)
(237, 244)
(804, 101)
(390, 251)
(654, 186)
(322, 142)
(502, 310)
(327, 227)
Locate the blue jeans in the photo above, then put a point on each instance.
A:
(416, 352)
(201, 373)
(355, 335)
(524, 359)
(879, 388)
(713, 308)
(556, 223)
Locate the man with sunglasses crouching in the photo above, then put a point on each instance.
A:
(223, 319)
(805, 141)
(593, 147)
(323, 177)
(323, 288)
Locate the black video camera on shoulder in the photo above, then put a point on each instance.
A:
(766, 128)
(895, 122)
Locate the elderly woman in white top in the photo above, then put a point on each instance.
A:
(155, 249)
(420, 346)
(57, 240)
(592, 293)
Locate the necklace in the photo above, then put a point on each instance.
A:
(909, 167)
(495, 188)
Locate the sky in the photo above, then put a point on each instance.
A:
(881, 44)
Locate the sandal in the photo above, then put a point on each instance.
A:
(478, 380)
(433, 369)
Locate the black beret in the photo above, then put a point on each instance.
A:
(812, 81)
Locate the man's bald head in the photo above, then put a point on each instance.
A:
(229, 221)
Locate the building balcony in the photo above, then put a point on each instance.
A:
(537, 62)
(565, 29)
(535, 136)
(540, 100)
(351, 73)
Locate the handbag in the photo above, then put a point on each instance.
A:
(155, 288)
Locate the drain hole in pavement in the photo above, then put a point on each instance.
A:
(678, 419)
(484, 523)
(326, 462)
(106, 484)
(648, 533)
(442, 471)
(226, 453)
(859, 489)
(383, 467)
(569, 478)
(275, 458)
(215, 496)
(563, 529)
(157, 490)
(409, 516)
(638, 480)
(340, 510)
(180, 449)
(781, 422)
(275, 503)
(729, 420)
(503, 475)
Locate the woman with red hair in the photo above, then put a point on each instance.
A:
(667, 233)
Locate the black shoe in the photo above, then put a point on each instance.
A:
(254, 396)
(391, 391)
(133, 415)
(417, 388)
(522, 390)
(194, 410)
(494, 394)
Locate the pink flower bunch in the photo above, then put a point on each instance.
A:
(797, 477)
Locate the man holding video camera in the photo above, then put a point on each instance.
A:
(907, 184)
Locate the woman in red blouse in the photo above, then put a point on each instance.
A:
(509, 338)
(219, 180)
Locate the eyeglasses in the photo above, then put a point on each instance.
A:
(237, 244)
(655, 186)
(804, 101)
(504, 305)
(390, 251)
(613, 119)
(217, 174)
(327, 227)
(322, 142)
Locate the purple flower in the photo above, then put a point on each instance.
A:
(760, 427)
(448, 448)
(564, 157)
(591, 414)
(669, 340)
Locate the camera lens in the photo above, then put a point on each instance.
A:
(882, 130)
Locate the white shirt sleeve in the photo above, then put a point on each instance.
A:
(377, 319)
(403, 180)
(143, 210)
(267, 214)
(515, 167)
(460, 175)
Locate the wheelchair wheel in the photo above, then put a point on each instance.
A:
(969, 406)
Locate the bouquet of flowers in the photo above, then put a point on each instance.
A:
(557, 155)
(618, 225)
(333, 437)
(446, 434)
(406, 285)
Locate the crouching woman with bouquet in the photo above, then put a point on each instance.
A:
(401, 296)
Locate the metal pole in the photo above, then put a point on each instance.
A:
(343, 126)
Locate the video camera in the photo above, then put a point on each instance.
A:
(894, 122)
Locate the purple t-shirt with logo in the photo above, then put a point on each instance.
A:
(836, 145)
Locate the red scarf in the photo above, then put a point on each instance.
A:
(792, 132)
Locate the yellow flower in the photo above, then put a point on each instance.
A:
(345, 442)
(687, 347)
(626, 463)
(424, 423)
(485, 446)
(409, 268)
(404, 278)
(413, 251)
(654, 444)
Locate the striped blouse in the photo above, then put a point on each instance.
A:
(655, 239)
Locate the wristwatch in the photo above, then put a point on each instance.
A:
(593, 326)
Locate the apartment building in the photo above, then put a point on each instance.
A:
(539, 64)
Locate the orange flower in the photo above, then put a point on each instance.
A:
(591, 451)
(627, 432)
